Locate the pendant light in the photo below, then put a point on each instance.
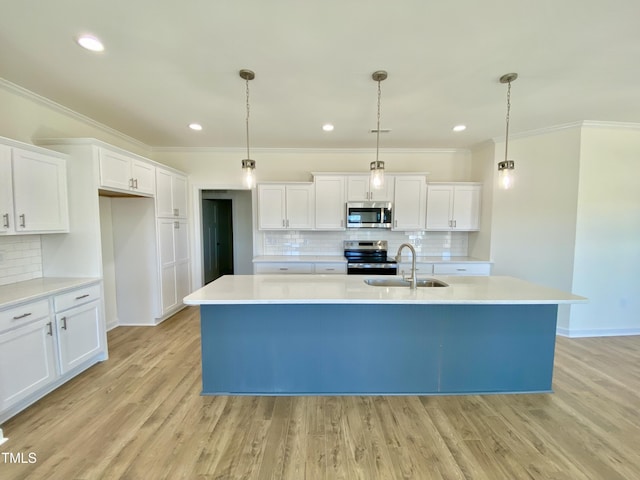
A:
(377, 167)
(506, 167)
(248, 165)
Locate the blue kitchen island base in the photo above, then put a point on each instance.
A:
(377, 349)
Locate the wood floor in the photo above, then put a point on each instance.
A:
(140, 416)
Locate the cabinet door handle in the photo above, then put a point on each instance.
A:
(50, 329)
(23, 220)
(5, 218)
(283, 223)
(82, 296)
(176, 212)
(24, 315)
(287, 223)
(176, 225)
(131, 183)
(64, 323)
(135, 182)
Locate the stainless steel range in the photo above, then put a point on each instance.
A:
(368, 257)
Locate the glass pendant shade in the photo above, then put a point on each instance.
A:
(505, 174)
(377, 174)
(248, 168)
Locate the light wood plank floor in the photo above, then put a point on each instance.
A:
(140, 416)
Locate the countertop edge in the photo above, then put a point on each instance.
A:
(31, 290)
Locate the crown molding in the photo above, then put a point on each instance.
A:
(34, 97)
(567, 126)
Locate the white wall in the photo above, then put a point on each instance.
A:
(483, 169)
(217, 168)
(25, 116)
(533, 224)
(607, 247)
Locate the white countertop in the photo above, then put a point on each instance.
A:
(39, 287)
(351, 289)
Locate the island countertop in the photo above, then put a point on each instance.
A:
(351, 289)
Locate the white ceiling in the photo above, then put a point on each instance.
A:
(169, 63)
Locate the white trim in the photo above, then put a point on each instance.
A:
(2, 437)
(598, 332)
(566, 126)
(29, 95)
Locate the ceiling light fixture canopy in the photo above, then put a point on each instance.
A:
(248, 165)
(377, 167)
(506, 167)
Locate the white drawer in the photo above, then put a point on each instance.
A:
(23, 314)
(285, 267)
(331, 268)
(422, 269)
(76, 297)
(462, 269)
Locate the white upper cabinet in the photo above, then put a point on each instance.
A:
(33, 192)
(288, 206)
(125, 173)
(330, 202)
(453, 206)
(6, 191)
(171, 194)
(409, 203)
(359, 189)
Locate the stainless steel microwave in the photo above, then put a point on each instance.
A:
(369, 215)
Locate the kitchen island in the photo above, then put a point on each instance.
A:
(336, 335)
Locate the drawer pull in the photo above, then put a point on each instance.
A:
(283, 268)
(24, 315)
(461, 269)
(330, 269)
(82, 296)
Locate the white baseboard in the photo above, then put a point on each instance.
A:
(598, 332)
(2, 437)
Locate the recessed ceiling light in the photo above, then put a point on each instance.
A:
(327, 127)
(90, 43)
(459, 128)
(195, 126)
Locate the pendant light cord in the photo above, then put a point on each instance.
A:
(506, 142)
(378, 129)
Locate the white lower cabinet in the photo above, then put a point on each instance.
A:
(79, 335)
(283, 267)
(46, 342)
(330, 268)
(27, 361)
(422, 269)
(462, 269)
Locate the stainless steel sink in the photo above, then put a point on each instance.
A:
(399, 282)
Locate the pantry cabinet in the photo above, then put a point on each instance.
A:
(288, 206)
(126, 173)
(171, 194)
(33, 192)
(453, 206)
(359, 189)
(173, 259)
(330, 210)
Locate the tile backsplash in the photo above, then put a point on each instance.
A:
(453, 244)
(20, 258)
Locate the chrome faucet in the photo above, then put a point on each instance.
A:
(413, 279)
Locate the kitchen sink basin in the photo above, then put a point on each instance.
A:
(400, 282)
